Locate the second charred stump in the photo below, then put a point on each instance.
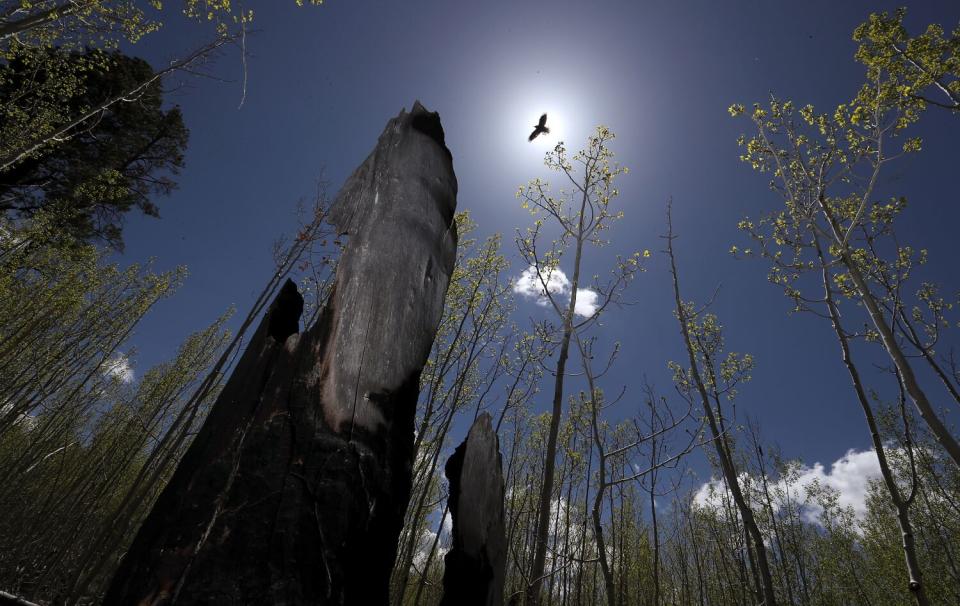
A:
(475, 565)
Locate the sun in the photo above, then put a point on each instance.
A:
(560, 102)
(509, 95)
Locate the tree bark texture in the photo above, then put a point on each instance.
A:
(475, 566)
(294, 490)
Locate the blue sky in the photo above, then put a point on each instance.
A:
(322, 82)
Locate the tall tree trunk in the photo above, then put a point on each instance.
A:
(595, 513)
(940, 432)
(549, 467)
(719, 441)
(900, 503)
(787, 581)
(294, 490)
(656, 532)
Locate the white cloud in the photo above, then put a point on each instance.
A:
(118, 367)
(447, 525)
(850, 476)
(426, 540)
(586, 303)
(712, 494)
(533, 286)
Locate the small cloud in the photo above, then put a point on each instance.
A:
(711, 495)
(118, 368)
(586, 303)
(447, 524)
(427, 541)
(532, 285)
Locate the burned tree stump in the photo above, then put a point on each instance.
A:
(294, 490)
(475, 565)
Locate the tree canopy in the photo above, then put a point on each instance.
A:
(117, 160)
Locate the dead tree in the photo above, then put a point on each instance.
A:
(475, 566)
(294, 490)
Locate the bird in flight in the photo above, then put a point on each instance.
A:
(539, 128)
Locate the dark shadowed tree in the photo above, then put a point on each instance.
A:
(117, 160)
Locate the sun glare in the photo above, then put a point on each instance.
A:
(565, 119)
(512, 94)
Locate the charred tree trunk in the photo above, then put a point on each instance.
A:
(294, 490)
(476, 564)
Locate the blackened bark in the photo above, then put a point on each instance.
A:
(474, 567)
(294, 490)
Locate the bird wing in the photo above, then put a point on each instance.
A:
(534, 134)
(543, 120)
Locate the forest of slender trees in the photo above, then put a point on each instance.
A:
(598, 508)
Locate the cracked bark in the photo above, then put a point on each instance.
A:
(294, 490)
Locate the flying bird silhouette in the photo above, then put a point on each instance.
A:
(539, 128)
